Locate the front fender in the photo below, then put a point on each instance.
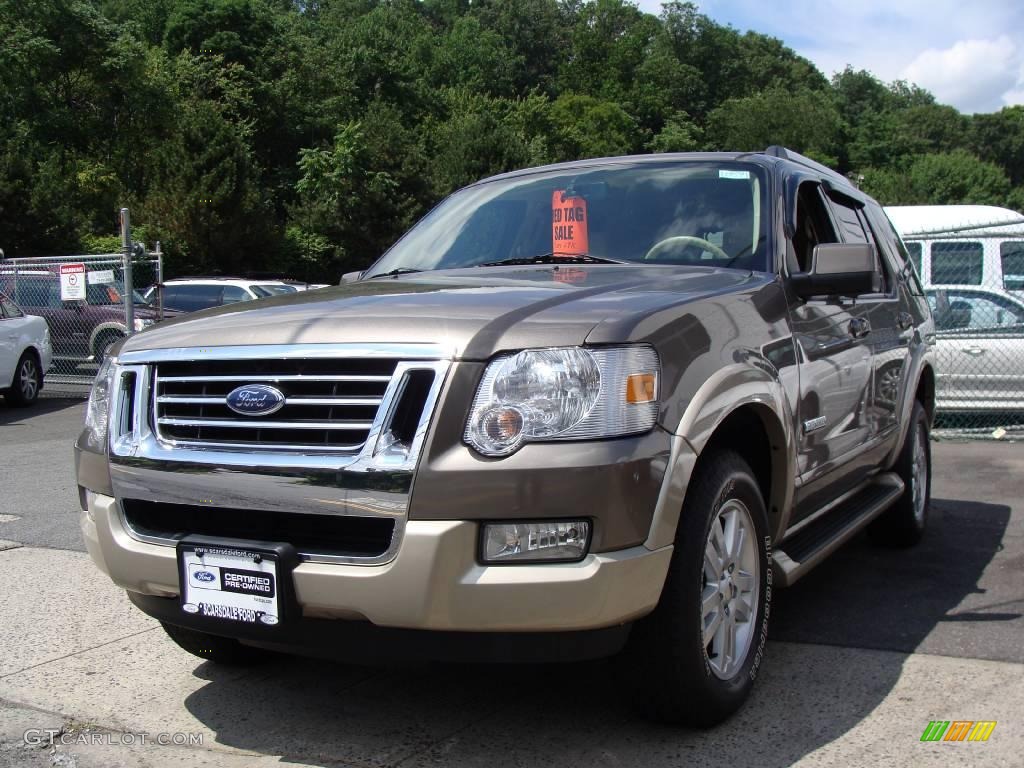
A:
(734, 387)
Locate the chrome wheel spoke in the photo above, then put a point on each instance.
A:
(744, 581)
(712, 563)
(709, 600)
(728, 645)
(711, 628)
(741, 609)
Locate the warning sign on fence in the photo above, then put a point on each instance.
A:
(72, 282)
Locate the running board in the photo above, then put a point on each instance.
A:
(816, 540)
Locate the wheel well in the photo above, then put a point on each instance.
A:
(755, 434)
(104, 334)
(926, 391)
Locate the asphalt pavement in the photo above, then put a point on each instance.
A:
(864, 652)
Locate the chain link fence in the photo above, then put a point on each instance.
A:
(971, 262)
(88, 305)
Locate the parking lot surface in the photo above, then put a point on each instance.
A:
(865, 651)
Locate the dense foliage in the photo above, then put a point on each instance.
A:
(304, 137)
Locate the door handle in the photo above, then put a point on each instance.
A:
(859, 327)
(905, 320)
(973, 351)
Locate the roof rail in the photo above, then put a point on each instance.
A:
(796, 157)
(206, 277)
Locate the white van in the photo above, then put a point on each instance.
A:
(964, 245)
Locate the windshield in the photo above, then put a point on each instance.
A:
(110, 293)
(274, 289)
(706, 214)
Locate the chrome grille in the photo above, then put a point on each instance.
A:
(331, 404)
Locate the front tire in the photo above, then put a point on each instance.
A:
(28, 381)
(694, 660)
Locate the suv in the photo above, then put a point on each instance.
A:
(81, 330)
(189, 294)
(596, 408)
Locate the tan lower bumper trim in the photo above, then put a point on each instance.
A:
(433, 583)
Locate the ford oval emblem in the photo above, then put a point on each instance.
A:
(255, 400)
(204, 576)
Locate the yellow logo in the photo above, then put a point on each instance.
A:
(958, 730)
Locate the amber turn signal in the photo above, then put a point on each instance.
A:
(641, 388)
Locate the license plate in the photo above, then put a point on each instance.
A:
(230, 584)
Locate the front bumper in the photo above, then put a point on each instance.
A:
(433, 583)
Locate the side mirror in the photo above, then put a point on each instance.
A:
(838, 269)
(350, 277)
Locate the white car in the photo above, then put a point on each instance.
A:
(979, 347)
(25, 353)
(189, 294)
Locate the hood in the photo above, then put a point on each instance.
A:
(473, 312)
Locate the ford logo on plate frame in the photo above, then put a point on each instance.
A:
(256, 400)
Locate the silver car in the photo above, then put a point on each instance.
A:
(980, 350)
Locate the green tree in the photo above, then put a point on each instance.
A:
(940, 179)
(806, 121)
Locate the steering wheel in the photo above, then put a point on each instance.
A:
(689, 240)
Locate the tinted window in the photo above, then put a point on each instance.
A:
(813, 225)
(33, 292)
(189, 298)
(234, 294)
(957, 263)
(914, 251)
(1012, 255)
(972, 311)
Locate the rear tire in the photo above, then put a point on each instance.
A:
(219, 650)
(903, 524)
(27, 382)
(694, 660)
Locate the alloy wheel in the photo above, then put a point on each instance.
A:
(731, 588)
(28, 379)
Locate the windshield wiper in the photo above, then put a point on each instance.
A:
(551, 258)
(396, 273)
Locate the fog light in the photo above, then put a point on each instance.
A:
(565, 541)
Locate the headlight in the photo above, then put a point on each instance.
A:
(565, 393)
(141, 323)
(97, 413)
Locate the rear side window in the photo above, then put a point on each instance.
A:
(1011, 253)
(914, 251)
(189, 298)
(957, 263)
(233, 294)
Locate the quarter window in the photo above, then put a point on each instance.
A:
(914, 251)
(957, 263)
(1012, 254)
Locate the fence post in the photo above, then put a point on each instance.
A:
(159, 281)
(126, 247)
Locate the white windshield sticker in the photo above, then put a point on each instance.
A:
(724, 174)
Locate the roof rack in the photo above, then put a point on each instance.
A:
(796, 157)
